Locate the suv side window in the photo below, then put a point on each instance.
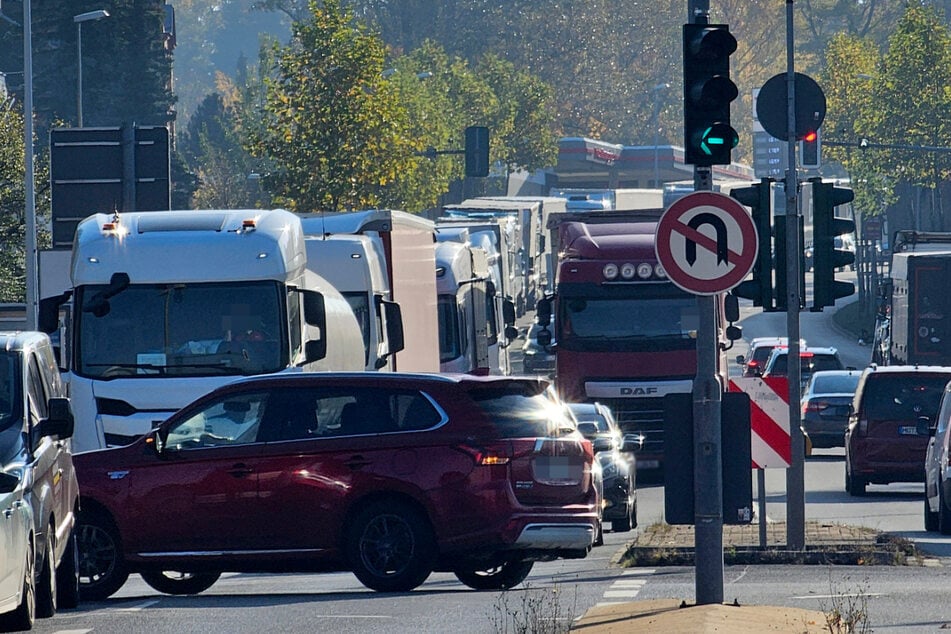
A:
(942, 422)
(516, 412)
(306, 413)
(232, 420)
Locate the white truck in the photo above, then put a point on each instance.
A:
(356, 266)
(580, 199)
(166, 306)
(407, 243)
(462, 277)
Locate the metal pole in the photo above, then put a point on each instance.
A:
(795, 480)
(761, 496)
(707, 398)
(29, 251)
(79, 74)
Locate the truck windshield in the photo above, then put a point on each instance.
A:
(208, 329)
(645, 323)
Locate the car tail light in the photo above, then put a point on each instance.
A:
(814, 406)
(487, 456)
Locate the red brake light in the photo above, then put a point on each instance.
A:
(814, 406)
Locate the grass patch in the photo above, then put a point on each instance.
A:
(857, 320)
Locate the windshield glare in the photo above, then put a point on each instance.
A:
(182, 330)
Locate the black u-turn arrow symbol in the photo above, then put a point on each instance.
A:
(719, 226)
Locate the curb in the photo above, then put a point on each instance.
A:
(812, 555)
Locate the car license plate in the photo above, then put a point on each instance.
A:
(908, 430)
(566, 469)
(648, 464)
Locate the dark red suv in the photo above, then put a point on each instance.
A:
(391, 476)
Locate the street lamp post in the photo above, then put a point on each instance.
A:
(656, 90)
(79, 19)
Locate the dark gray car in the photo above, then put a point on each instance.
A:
(825, 406)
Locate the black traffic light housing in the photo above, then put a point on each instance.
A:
(810, 150)
(708, 91)
(759, 289)
(477, 151)
(826, 257)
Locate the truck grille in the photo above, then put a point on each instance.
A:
(641, 415)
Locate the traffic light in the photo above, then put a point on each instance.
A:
(826, 257)
(810, 150)
(760, 288)
(477, 151)
(708, 136)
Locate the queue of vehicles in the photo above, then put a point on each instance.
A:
(161, 309)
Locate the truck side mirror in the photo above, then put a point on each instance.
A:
(508, 312)
(543, 311)
(315, 312)
(48, 316)
(315, 350)
(394, 326)
(731, 309)
(734, 333)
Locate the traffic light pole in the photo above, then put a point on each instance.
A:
(707, 399)
(795, 474)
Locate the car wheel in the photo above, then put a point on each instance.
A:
(855, 486)
(23, 617)
(67, 576)
(46, 584)
(390, 546)
(502, 577)
(102, 567)
(622, 525)
(944, 513)
(170, 582)
(931, 518)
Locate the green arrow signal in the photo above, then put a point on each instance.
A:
(708, 138)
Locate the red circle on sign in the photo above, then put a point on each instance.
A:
(677, 242)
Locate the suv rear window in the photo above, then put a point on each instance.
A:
(899, 397)
(809, 363)
(518, 411)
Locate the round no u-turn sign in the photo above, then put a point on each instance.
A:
(706, 243)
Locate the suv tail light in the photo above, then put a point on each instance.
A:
(487, 456)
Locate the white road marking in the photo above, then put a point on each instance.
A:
(834, 596)
(136, 608)
(72, 631)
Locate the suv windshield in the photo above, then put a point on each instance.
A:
(903, 397)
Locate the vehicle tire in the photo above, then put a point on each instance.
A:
(944, 513)
(46, 582)
(623, 524)
(25, 614)
(390, 547)
(931, 518)
(854, 486)
(170, 582)
(102, 567)
(502, 577)
(67, 576)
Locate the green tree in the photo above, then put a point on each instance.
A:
(911, 104)
(332, 125)
(13, 204)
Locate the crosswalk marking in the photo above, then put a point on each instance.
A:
(627, 586)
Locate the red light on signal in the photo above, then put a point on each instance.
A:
(810, 136)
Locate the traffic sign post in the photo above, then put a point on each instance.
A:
(707, 244)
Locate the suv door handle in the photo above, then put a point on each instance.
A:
(356, 462)
(240, 470)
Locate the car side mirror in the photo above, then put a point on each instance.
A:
(511, 333)
(740, 359)
(60, 422)
(156, 441)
